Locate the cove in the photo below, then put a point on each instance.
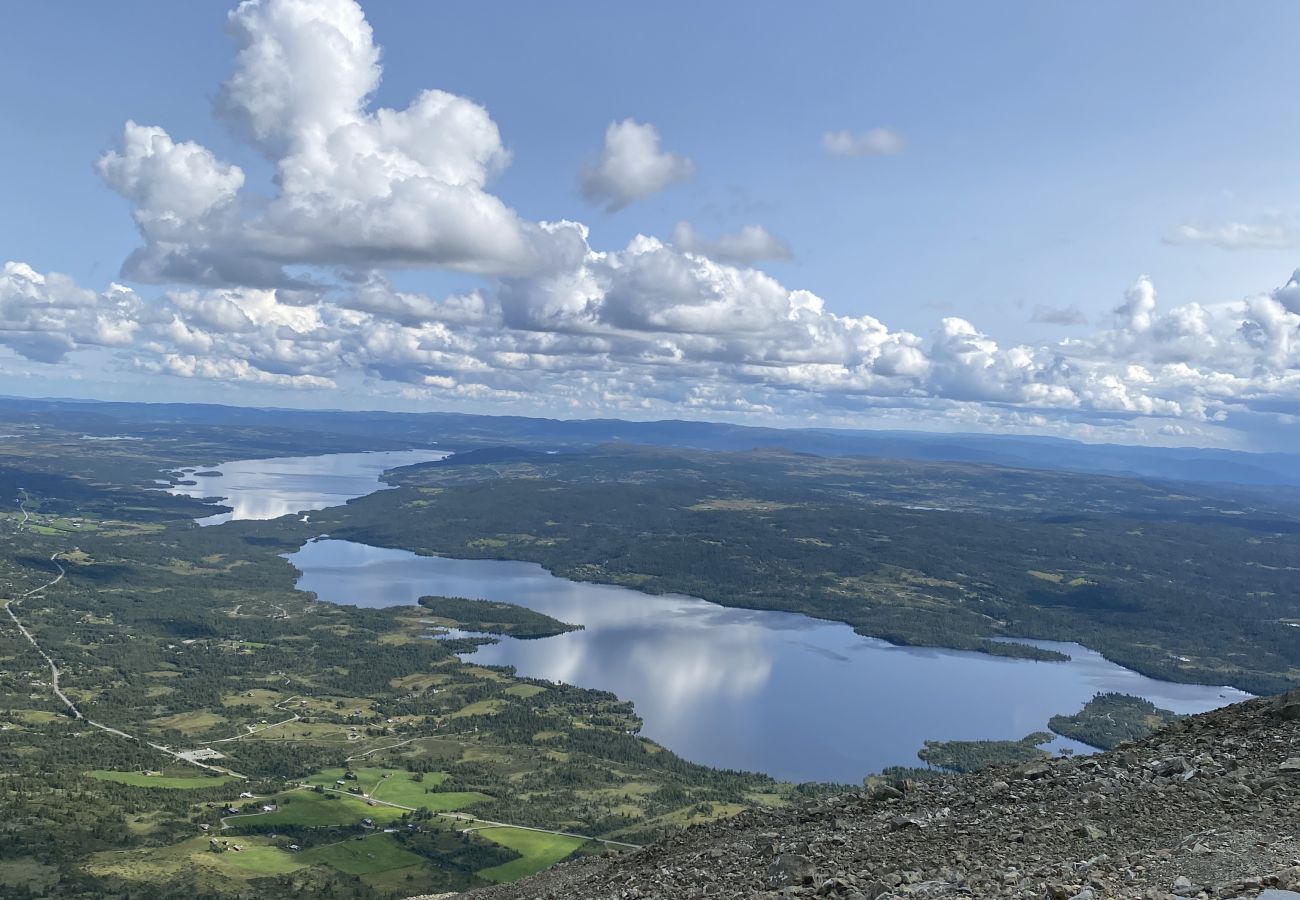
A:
(798, 698)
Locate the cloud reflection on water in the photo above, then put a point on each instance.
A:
(799, 698)
(270, 488)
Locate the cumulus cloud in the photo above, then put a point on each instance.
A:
(293, 290)
(631, 166)
(170, 184)
(751, 244)
(44, 317)
(356, 186)
(653, 328)
(876, 142)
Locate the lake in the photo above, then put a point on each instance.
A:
(798, 698)
(270, 488)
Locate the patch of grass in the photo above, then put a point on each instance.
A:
(189, 722)
(480, 708)
(524, 691)
(378, 853)
(420, 681)
(400, 787)
(486, 674)
(259, 697)
(139, 779)
(309, 808)
(256, 860)
(537, 850)
(405, 790)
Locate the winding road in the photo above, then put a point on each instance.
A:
(54, 669)
(56, 673)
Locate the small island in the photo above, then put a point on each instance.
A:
(1108, 720)
(972, 756)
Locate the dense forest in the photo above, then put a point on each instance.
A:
(1175, 585)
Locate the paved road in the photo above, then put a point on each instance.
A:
(54, 669)
(294, 718)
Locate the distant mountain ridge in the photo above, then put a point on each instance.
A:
(460, 431)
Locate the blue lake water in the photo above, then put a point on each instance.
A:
(799, 698)
(270, 488)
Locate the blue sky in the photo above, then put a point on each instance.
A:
(1048, 156)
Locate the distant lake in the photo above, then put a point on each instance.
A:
(798, 698)
(270, 488)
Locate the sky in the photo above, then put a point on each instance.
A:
(1070, 219)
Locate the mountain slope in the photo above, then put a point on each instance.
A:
(1209, 807)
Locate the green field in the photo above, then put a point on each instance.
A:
(191, 722)
(153, 864)
(400, 787)
(252, 861)
(378, 853)
(368, 778)
(139, 779)
(310, 809)
(537, 850)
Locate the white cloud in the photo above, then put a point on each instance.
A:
(1273, 234)
(357, 187)
(44, 317)
(1134, 314)
(651, 328)
(631, 166)
(170, 184)
(876, 142)
(751, 244)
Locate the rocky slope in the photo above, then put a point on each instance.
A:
(1208, 807)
